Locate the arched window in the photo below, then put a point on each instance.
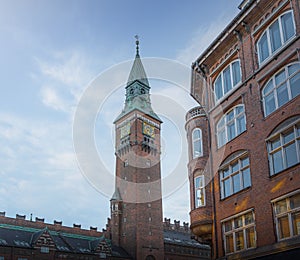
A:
(284, 145)
(235, 174)
(199, 185)
(197, 143)
(276, 35)
(232, 124)
(228, 79)
(282, 87)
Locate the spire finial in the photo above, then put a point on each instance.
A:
(137, 42)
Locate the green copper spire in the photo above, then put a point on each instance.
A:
(138, 89)
(137, 71)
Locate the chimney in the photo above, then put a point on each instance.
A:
(42, 220)
(57, 223)
(2, 213)
(76, 226)
(20, 216)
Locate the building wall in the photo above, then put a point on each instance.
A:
(238, 41)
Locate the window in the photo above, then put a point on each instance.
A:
(284, 147)
(287, 216)
(235, 176)
(197, 143)
(228, 79)
(44, 249)
(239, 232)
(275, 36)
(232, 124)
(282, 87)
(199, 184)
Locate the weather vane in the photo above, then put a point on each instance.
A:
(137, 44)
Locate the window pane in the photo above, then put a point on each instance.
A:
(225, 172)
(196, 134)
(236, 183)
(287, 26)
(230, 116)
(198, 182)
(296, 223)
(231, 131)
(282, 95)
(218, 88)
(280, 77)
(295, 85)
(239, 237)
(241, 124)
(197, 149)
(269, 87)
(277, 161)
(245, 162)
(221, 137)
(283, 225)
(293, 68)
(288, 137)
(236, 72)
(250, 236)
(227, 188)
(275, 36)
(295, 201)
(235, 167)
(280, 206)
(263, 48)
(229, 243)
(227, 80)
(238, 222)
(228, 226)
(291, 155)
(246, 178)
(239, 109)
(249, 218)
(275, 144)
(270, 103)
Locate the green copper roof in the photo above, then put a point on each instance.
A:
(138, 90)
(137, 72)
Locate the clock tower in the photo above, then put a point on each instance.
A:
(136, 205)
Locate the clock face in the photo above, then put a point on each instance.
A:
(125, 130)
(148, 130)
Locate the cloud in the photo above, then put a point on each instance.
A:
(51, 99)
(63, 77)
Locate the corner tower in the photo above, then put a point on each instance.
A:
(136, 205)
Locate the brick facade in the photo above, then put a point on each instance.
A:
(239, 41)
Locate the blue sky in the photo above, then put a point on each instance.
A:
(50, 53)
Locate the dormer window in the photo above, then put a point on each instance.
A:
(228, 79)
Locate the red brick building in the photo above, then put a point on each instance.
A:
(244, 138)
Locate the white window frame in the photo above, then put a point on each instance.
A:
(194, 140)
(220, 75)
(224, 126)
(267, 31)
(235, 230)
(231, 175)
(275, 87)
(201, 189)
(289, 212)
(295, 126)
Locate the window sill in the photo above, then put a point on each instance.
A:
(231, 140)
(237, 193)
(283, 171)
(280, 108)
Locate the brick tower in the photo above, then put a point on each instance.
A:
(136, 205)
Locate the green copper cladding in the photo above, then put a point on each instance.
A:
(138, 90)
